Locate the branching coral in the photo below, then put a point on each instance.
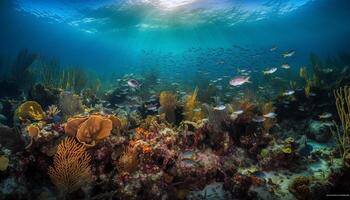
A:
(71, 168)
(52, 111)
(342, 135)
(30, 110)
(168, 102)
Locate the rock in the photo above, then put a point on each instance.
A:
(318, 131)
(11, 139)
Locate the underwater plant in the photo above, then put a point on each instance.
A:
(342, 135)
(308, 81)
(190, 106)
(168, 102)
(48, 72)
(74, 78)
(71, 168)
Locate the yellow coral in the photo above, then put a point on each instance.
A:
(168, 102)
(4, 163)
(30, 110)
(71, 168)
(286, 149)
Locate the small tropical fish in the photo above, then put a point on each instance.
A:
(288, 93)
(325, 115)
(274, 48)
(312, 94)
(197, 110)
(238, 112)
(329, 124)
(328, 70)
(152, 107)
(239, 80)
(285, 66)
(270, 71)
(288, 54)
(270, 115)
(233, 116)
(258, 119)
(221, 107)
(133, 83)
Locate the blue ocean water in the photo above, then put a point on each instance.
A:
(176, 35)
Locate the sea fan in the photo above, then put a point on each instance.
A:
(71, 169)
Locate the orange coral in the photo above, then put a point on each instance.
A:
(94, 129)
(89, 130)
(73, 125)
(71, 168)
(141, 133)
(117, 123)
(146, 149)
(33, 131)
